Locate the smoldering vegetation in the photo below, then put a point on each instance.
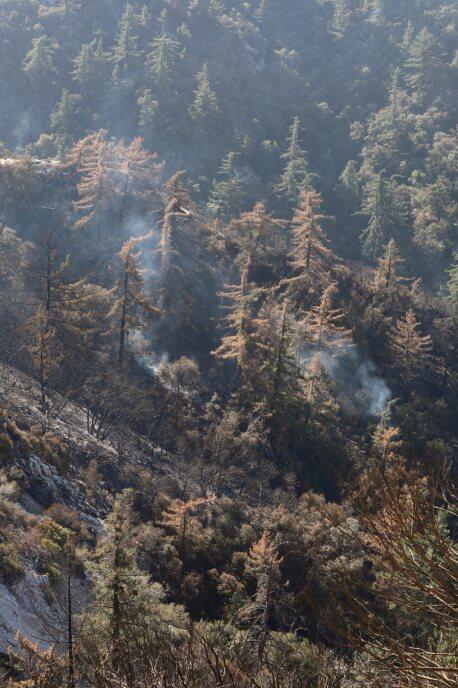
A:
(228, 309)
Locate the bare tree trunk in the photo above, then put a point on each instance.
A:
(122, 329)
(71, 661)
(116, 630)
(43, 383)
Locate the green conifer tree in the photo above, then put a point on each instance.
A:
(281, 378)
(125, 614)
(425, 66)
(205, 105)
(39, 61)
(380, 205)
(165, 52)
(227, 192)
(65, 120)
(296, 175)
(89, 67)
(185, 281)
(452, 288)
(125, 51)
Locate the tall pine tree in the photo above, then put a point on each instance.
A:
(296, 175)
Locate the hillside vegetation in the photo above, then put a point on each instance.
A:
(228, 328)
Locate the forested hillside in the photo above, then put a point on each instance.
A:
(228, 329)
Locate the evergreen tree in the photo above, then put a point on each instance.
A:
(264, 563)
(241, 344)
(185, 283)
(259, 12)
(165, 52)
(125, 606)
(177, 206)
(205, 106)
(322, 325)
(97, 164)
(391, 143)
(89, 67)
(296, 175)
(344, 18)
(145, 16)
(349, 185)
(148, 112)
(180, 518)
(64, 119)
(320, 396)
(64, 323)
(386, 215)
(311, 258)
(131, 302)
(435, 218)
(280, 378)
(46, 354)
(120, 580)
(39, 62)
(258, 234)
(125, 51)
(411, 349)
(228, 446)
(14, 254)
(181, 380)
(386, 275)
(424, 66)
(386, 444)
(227, 193)
(139, 174)
(452, 288)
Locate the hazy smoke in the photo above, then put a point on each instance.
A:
(137, 227)
(375, 15)
(23, 130)
(375, 388)
(356, 379)
(148, 360)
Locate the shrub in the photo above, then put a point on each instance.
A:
(11, 569)
(6, 447)
(52, 540)
(68, 519)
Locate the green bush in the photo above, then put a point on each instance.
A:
(6, 447)
(11, 569)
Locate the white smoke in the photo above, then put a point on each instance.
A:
(146, 232)
(355, 377)
(23, 130)
(375, 388)
(375, 16)
(139, 346)
(153, 363)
